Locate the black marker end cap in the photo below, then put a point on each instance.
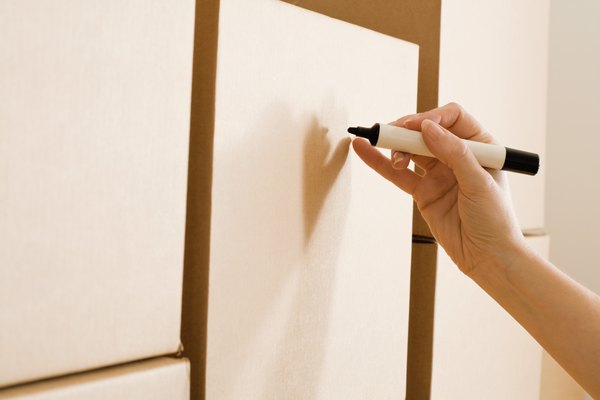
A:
(521, 161)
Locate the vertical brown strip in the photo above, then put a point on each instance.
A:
(421, 317)
(197, 242)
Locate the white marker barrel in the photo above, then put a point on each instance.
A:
(409, 141)
(488, 155)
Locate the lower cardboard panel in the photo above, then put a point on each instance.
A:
(479, 350)
(158, 379)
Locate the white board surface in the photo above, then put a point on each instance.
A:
(310, 249)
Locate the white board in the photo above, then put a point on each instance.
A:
(310, 249)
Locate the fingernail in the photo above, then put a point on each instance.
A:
(397, 159)
(431, 129)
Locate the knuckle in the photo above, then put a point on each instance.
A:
(484, 184)
(459, 150)
(455, 106)
(459, 153)
(489, 138)
(453, 112)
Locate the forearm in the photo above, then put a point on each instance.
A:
(562, 315)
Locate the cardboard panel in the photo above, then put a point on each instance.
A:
(493, 61)
(158, 379)
(310, 249)
(572, 212)
(479, 351)
(572, 198)
(94, 120)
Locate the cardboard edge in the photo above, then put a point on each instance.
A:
(198, 219)
(421, 319)
(93, 377)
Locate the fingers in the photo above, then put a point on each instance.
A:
(400, 160)
(455, 119)
(454, 153)
(425, 163)
(405, 179)
(452, 117)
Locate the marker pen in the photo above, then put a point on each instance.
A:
(488, 155)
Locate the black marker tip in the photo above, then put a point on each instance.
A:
(371, 133)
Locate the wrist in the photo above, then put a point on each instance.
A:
(499, 267)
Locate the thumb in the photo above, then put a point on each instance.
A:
(455, 154)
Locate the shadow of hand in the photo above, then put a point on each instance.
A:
(320, 172)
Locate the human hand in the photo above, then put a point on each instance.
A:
(467, 207)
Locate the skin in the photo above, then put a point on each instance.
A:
(470, 214)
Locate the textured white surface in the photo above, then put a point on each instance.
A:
(310, 252)
(94, 130)
(479, 350)
(493, 61)
(158, 379)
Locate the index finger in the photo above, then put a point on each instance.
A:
(405, 179)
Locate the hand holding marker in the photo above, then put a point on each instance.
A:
(470, 215)
(488, 155)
